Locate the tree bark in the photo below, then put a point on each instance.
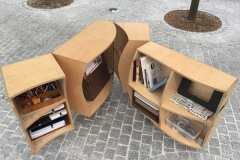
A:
(193, 10)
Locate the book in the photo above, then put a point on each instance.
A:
(93, 65)
(95, 82)
(144, 61)
(47, 129)
(154, 72)
(153, 111)
(137, 70)
(45, 121)
(192, 107)
(152, 105)
(147, 112)
(134, 70)
(159, 84)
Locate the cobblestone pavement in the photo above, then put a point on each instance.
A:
(117, 131)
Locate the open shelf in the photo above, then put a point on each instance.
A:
(154, 97)
(30, 118)
(172, 107)
(175, 135)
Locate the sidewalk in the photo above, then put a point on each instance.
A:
(117, 131)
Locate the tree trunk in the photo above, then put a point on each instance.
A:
(193, 10)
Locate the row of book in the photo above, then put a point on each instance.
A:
(52, 120)
(146, 106)
(149, 72)
(95, 78)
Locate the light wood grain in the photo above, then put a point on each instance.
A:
(135, 31)
(22, 76)
(89, 43)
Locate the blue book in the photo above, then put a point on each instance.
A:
(159, 84)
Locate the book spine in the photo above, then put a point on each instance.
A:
(134, 71)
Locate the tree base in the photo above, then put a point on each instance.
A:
(48, 4)
(205, 22)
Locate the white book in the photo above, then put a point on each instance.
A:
(154, 72)
(47, 129)
(58, 114)
(60, 106)
(144, 61)
(152, 105)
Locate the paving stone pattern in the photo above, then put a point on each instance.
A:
(117, 131)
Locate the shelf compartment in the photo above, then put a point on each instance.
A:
(171, 133)
(154, 97)
(39, 142)
(43, 103)
(172, 87)
(30, 118)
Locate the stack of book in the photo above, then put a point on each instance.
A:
(95, 78)
(149, 72)
(146, 106)
(52, 120)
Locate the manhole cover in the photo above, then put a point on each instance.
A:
(113, 10)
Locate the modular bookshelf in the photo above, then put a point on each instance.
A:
(116, 41)
(26, 75)
(205, 80)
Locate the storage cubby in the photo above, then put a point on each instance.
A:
(23, 76)
(198, 82)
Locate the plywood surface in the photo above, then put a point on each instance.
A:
(25, 75)
(136, 31)
(90, 42)
(189, 68)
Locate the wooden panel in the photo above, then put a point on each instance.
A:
(126, 61)
(136, 31)
(89, 43)
(213, 129)
(189, 68)
(102, 96)
(121, 40)
(74, 71)
(22, 76)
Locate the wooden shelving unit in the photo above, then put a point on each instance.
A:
(118, 41)
(74, 57)
(205, 80)
(23, 76)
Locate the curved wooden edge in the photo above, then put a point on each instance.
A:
(43, 140)
(22, 76)
(89, 43)
(181, 64)
(135, 31)
(174, 135)
(102, 96)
